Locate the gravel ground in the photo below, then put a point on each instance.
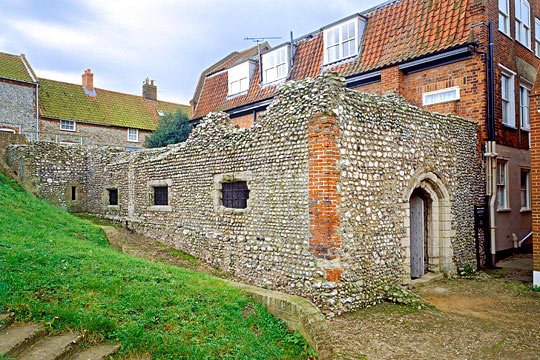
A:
(485, 318)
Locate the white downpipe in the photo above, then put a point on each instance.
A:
(491, 191)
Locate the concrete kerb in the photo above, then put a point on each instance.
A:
(298, 313)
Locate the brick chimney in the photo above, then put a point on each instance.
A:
(149, 90)
(88, 80)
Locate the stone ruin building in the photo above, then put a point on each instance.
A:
(333, 195)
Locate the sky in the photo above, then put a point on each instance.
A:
(171, 42)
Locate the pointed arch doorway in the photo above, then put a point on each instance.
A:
(429, 234)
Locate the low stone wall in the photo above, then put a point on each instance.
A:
(330, 172)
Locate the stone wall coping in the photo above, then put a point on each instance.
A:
(298, 313)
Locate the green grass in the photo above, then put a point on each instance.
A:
(58, 268)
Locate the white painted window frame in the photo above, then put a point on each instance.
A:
(504, 17)
(425, 96)
(8, 130)
(62, 122)
(136, 135)
(277, 62)
(527, 190)
(340, 42)
(502, 185)
(524, 107)
(511, 100)
(523, 31)
(537, 37)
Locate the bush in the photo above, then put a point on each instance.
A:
(172, 129)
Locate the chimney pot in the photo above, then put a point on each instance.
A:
(149, 90)
(88, 80)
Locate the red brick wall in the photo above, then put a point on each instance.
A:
(506, 50)
(373, 88)
(244, 121)
(392, 80)
(324, 198)
(535, 174)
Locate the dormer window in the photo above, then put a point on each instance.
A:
(275, 64)
(342, 41)
(240, 77)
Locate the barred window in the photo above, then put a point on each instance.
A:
(235, 194)
(161, 195)
(113, 197)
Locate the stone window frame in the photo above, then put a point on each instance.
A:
(150, 185)
(219, 179)
(105, 197)
(68, 193)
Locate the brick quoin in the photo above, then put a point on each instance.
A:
(324, 198)
(535, 176)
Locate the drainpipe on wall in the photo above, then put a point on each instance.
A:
(490, 154)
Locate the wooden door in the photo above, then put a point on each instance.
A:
(417, 236)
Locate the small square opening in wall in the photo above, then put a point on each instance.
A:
(235, 194)
(232, 193)
(161, 195)
(113, 197)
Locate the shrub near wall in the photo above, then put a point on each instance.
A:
(327, 169)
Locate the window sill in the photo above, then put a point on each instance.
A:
(113, 207)
(525, 210)
(505, 34)
(133, 141)
(68, 130)
(503, 210)
(333, 62)
(525, 130)
(165, 208)
(509, 127)
(525, 46)
(222, 210)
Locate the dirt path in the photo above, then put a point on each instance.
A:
(491, 318)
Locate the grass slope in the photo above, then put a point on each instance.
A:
(58, 268)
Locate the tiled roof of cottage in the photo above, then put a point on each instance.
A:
(396, 31)
(69, 101)
(12, 67)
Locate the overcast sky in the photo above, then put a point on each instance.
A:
(124, 41)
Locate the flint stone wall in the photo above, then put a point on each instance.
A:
(382, 143)
(17, 107)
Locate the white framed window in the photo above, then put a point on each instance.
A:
(275, 65)
(67, 125)
(508, 98)
(502, 181)
(504, 16)
(537, 37)
(240, 76)
(523, 22)
(440, 96)
(343, 40)
(525, 189)
(524, 108)
(133, 135)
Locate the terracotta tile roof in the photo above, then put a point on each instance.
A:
(12, 67)
(69, 101)
(396, 31)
